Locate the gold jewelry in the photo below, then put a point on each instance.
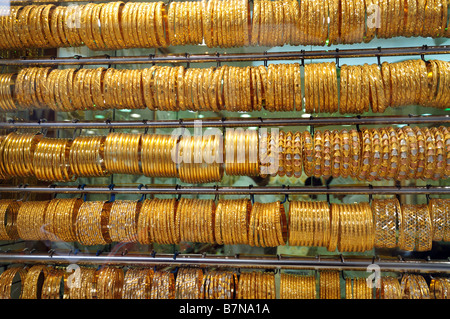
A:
(30, 287)
(110, 282)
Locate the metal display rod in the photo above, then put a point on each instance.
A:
(231, 57)
(266, 262)
(231, 122)
(218, 190)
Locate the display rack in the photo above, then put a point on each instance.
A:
(230, 122)
(204, 260)
(275, 261)
(231, 57)
(219, 190)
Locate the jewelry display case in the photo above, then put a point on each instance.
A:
(285, 149)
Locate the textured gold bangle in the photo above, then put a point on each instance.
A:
(8, 213)
(137, 283)
(30, 287)
(91, 224)
(110, 282)
(52, 284)
(30, 219)
(326, 154)
(318, 154)
(437, 209)
(7, 280)
(424, 228)
(408, 230)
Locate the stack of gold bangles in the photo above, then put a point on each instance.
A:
(7, 102)
(385, 220)
(158, 155)
(361, 89)
(389, 288)
(378, 153)
(357, 237)
(321, 88)
(219, 23)
(348, 227)
(256, 285)
(185, 23)
(137, 283)
(86, 156)
(231, 221)
(293, 286)
(163, 285)
(283, 88)
(309, 223)
(440, 288)
(194, 220)
(8, 214)
(357, 288)
(277, 88)
(219, 284)
(122, 153)
(92, 222)
(268, 28)
(17, 152)
(108, 282)
(156, 222)
(414, 287)
(329, 284)
(439, 209)
(51, 288)
(7, 279)
(417, 225)
(122, 221)
(189, 283)
(60, 218)
(30, 285)
(30, 219)
(241, 152)
(82, 284)
(318, 224)
(51, 160)
(267, 227)
(199, 159)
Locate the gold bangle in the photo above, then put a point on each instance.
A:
(7, 278)
(318, 153)
(8, 212)
(424, 228)
(91, 223)
(407, 232)
(384, 217)
(337, 154)
(109, 282)
(334, 227)
(30, 287)
(326, 154)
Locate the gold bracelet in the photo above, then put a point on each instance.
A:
(408, 230)
(424, 228)
(6, 281)
(30, 287)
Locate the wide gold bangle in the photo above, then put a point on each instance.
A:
(408, 230)
(7, 280)
(326, 162)
(8, 213)
(437, 209)
(91, 224)
(32, 285)
(424, 234)
(110, 282)
(51, 288)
